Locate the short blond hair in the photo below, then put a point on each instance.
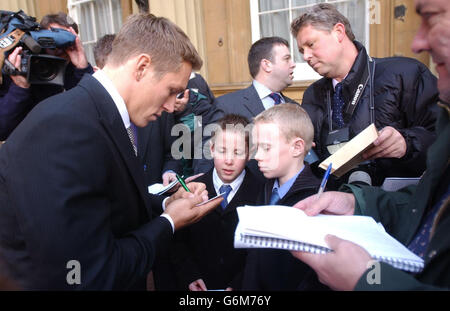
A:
(165, 42)
(292, 120)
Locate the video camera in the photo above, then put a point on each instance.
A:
(19, 29)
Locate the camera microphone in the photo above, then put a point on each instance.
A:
(360, 178)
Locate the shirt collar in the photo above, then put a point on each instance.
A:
(262, 90)
(106, 82)
(334, 81)
(287, 185)
(235, 184)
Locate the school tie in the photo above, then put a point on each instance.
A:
(338, 106)
(227, 189)
(131, 130)
(275, 197)
(276, 98)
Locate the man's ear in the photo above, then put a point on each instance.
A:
(143, 63)
(339, 31)
(298, 147)
(266, 65)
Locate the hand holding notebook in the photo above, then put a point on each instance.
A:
(352, 261)
(289, 228)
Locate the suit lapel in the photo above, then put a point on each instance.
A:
(252, 101)
(268, 191)
(144, 135)
(288, 100)
(240, 195)
(112, 122)
(207, 179)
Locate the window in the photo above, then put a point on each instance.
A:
(273, 18)
(96, 18)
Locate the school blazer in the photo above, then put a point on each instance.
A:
(206, 249)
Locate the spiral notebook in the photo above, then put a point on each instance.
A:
(289, 228)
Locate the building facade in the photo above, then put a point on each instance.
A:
(223, 30)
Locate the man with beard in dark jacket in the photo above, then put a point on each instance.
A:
(398, 94)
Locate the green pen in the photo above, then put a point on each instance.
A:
(180, 179)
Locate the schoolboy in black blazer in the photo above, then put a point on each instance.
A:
(204, 256)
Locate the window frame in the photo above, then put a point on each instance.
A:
(72, 6)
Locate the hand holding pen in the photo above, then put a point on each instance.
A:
(330, 202)
(324, 181)
(185, 207)
(195, 189)
(182, 183)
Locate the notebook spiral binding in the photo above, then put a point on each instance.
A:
(270, 242)
(267, 242)
(413, 267)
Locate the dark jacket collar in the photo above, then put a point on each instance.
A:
(252, 101)
(238, 198)
(356, 73)
(254, 104)
(306, 182)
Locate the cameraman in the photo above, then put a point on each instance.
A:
(18, 97)
(78, 64)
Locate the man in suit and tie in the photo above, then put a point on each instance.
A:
(155, 140)
(272, 69)
(74, 211)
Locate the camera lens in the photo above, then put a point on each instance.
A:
(43, 69)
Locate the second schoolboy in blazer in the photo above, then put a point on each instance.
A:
(274, 269)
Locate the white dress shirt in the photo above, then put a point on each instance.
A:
(235, 184)
(263, 93)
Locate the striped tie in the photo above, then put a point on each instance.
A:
(276, 98)
(225, 189)
(132, 136)
(275, 197)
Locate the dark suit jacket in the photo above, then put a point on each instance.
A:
(71, 188)
(246, 102)
(154, 149)
(206, 250)
(154, 152)
(275, 269)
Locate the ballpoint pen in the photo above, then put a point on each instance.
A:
(324, 181)
(180, 179)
